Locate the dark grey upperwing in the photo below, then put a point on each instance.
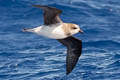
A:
(74, 49)
(51, 14)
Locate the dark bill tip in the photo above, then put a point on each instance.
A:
(81, 31)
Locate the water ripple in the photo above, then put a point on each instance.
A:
(25, 56)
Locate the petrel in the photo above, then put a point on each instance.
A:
(55, 28)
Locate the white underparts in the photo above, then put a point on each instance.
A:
(53, 31)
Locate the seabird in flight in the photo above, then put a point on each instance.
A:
(54, 28)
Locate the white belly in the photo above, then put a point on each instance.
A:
(51, 32)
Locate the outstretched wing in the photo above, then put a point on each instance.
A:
(51, 14)
(74, 49)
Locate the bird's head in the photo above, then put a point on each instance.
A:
(74, 28)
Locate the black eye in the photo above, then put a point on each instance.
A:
(74, 28)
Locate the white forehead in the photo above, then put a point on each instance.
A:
(77, 26)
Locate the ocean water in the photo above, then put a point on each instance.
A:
(26, 56)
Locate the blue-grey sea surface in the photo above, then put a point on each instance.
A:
(26, 56)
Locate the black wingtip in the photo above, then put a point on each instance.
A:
(69, 69)
(44, 7)
(68, 72)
